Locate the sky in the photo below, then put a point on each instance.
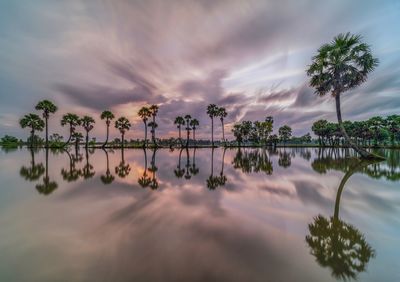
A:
(247, 56)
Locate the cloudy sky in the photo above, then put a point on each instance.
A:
(248, 56)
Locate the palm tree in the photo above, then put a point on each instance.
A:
(153, 110)
(144, 113)
(87, 123)
(222, 114)
(48, 108)
(187, 118)
(123, 125)
(212, 111)
(108, 116)
(194, 123)
(338, 67)
(179, 121)
(73, 121)
(34, 122)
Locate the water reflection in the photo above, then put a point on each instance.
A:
(254, 160)
(34, 171)
(214, 181)
(153, 169)
(107, 178)
(123, 169)
(335, 243)
(47, 186)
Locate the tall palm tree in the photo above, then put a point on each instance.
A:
(73, 121)
(153, 126)
(34, 122)
(108, 116)
(154, 110)
(179, 121)
(194, 123)
(123, 125)
(144, 113)
(338, 67)
(87, 123)
(188, 118)
(222, 114)
(212, 111)
(48, 108)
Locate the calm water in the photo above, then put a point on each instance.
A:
(248, 215)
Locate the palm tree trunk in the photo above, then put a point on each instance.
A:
(212, 132)
(187, 137)
(364, 154)
(32, 136)
(87, 139)
(223, 130)
(145, 133)
(194, 136)
(70, 136)
(47, 134)
(154, 130)
(122, 137)
(212, 161)
(223, 162)
(180, 135)
(107, 130)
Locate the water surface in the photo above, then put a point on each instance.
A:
(205, 215)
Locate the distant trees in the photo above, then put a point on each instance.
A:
(87, 123)
(257, 132)
(108, 116)
(378, 129)
(285, 133)
(212, 111)
(153, 110)
(123, 125)
(47, 107)
(194, 123)
(145, 113)
(338, 67)
(179, 122)
(73, 121)
(34, 122)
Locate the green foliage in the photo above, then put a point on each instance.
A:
(285, 132)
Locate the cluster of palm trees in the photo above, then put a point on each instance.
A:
(191, 124)
(35, 123)
(376, 129)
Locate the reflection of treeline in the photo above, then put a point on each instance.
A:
(254, 160)
(343, 160)
(374, 131)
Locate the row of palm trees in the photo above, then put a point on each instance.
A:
(148, 115)
(191, 124)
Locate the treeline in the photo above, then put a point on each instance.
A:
(375, 131)
(260, 133)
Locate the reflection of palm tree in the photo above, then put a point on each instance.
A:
(122, 170)
(194, 169)
(222, 178)
(34, 172)
(188, 175)
(337, 244)
(48, 186)
(144, 180)
(87, 171)
(285, 159)
(153, 168)
(107, 178)
(253, 161)
(179, 172)
(212, 181)
(71, 174)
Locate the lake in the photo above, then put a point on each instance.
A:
(290, 214)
